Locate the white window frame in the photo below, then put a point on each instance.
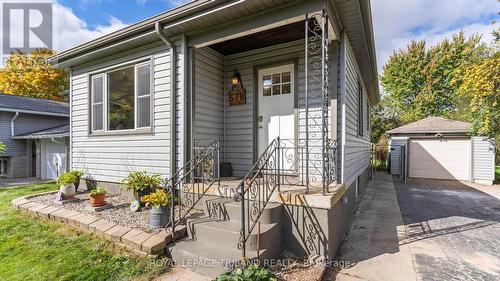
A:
(104, 73)
(103, 102)
(361, 110)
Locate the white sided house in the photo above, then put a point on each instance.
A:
(253, 111)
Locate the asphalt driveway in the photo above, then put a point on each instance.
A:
(452, 229)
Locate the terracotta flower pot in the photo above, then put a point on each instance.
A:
(98, 200)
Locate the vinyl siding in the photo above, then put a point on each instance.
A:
(209, 95)
(483, 159)
(112, 157)
(357, 148)
(14, 147)
(240, 120)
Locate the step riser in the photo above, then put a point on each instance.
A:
(232, 212)
(229, 239)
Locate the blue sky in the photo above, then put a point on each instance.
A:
(98, 12)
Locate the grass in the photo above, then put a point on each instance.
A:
(36, 249)
(497, 174)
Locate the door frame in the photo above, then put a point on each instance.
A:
(256, 112)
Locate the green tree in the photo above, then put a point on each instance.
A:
(32, 76)
(422, 82)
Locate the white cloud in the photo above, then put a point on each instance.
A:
(396, 23)
(71, 31)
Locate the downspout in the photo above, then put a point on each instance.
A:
(173, 88)
(12, 133)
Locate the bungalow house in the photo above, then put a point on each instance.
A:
(255, 111)
(36, 134)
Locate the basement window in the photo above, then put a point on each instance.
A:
(121, 99)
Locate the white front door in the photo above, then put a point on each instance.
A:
(276, 105)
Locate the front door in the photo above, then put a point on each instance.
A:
(276, 105)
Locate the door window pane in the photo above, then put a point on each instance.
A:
(276, 90)
(121, 99)
(276, 78)
(267, 91)
(143, 114)
(266, 81)
(285, 77)
(285, 89)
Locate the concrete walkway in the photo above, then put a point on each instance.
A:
(371, 250)
(12, 183)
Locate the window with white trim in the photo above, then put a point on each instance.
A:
(121, 98)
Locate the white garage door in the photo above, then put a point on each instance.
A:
(53, 158)
(440, 159)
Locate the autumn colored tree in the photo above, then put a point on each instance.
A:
(31, 75)
(421, 81)
(481, 88)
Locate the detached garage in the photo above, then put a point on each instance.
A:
(440, 148)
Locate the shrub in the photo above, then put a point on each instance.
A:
(97, 191)
(77, 173)
(157, 199)
(138, 181)
(251, 273)
(66, 178)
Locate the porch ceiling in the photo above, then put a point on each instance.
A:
(275, 36)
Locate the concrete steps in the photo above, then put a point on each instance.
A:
(212, 243)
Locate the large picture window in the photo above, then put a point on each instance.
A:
(121, 99)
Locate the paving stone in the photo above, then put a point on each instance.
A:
(84, 221)
(180, 231)
(139, 239)
(19, 201)
(36, 207)
(45, 212)
(99, 208)
(59, 215)
(25, 207)
(116, 232)
(64, 214)
(154, 244)
(103, 227)
(129, 238)
(74, 219)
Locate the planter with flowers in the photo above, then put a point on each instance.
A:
(66, 183)
(97, 197)
(159, 201)
(142, 183)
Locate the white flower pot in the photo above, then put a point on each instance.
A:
(68, 191)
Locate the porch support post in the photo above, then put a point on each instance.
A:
(324, 88)
(306, 100)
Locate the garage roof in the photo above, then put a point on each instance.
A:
(54, 132)
(433, 125)
(13, 103)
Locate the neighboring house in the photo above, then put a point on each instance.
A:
(440, 148)
(240, 72)
(36, 135)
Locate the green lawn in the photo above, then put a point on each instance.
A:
(497, 174)
(35, 249)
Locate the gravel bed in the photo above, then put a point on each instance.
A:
(119, 214)
(289, 269)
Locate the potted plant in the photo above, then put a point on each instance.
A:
(142, 183)
(159, 201)
(97, 197)
(78, 174)
(66, 182)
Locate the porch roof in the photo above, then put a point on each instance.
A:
(211, 21)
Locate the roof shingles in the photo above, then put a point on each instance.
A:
(432, 125)
(36, 105)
